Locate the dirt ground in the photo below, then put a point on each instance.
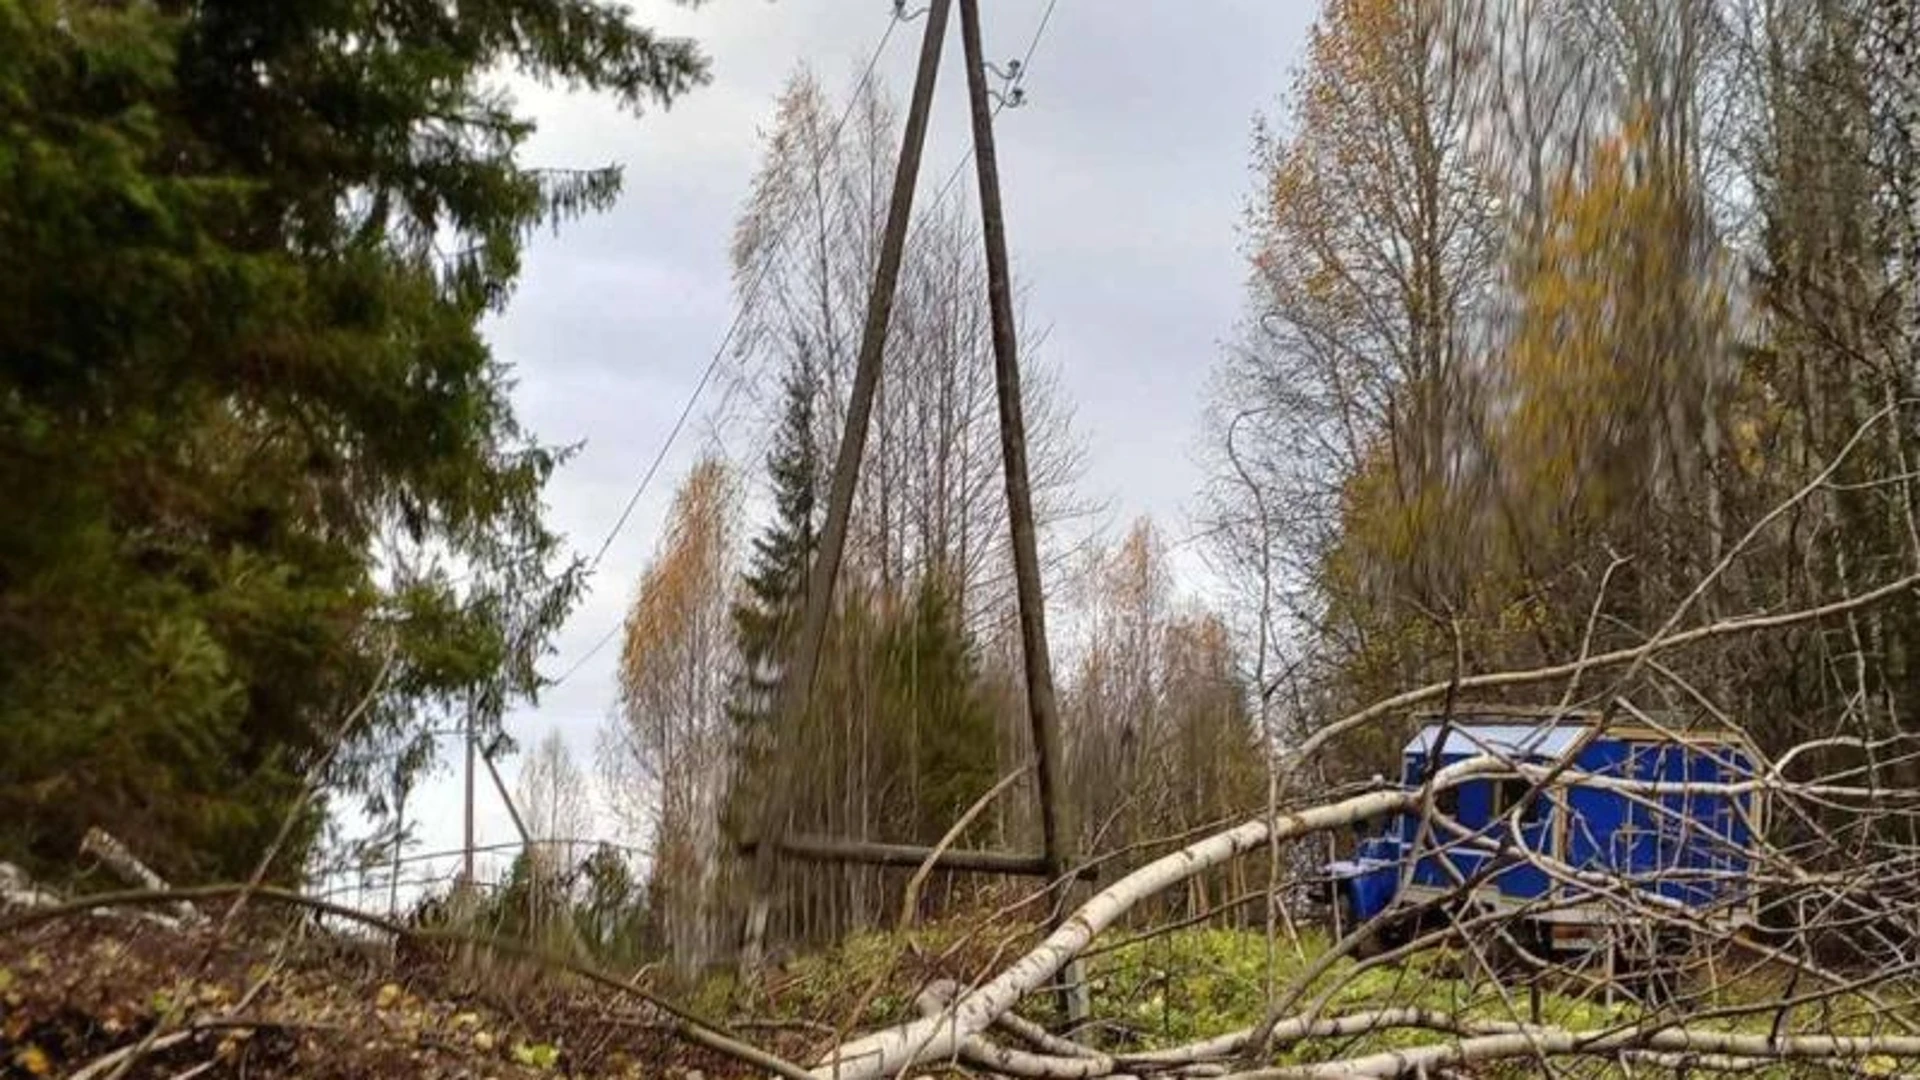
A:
(279, 999)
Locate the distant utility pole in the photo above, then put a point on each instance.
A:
(1057, 862)
(467, 859)
(797, 686)
(399, 838)
(1042, 705)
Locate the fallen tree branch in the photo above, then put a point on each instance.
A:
(1725, 628)
(1201, 1058)
(105, 1063)
(941, 993)
(910, 899)
(101, 1065)
(1672, 1043)
(938, 1037)
(1041, 1039)
(288, 822)
(104, 846)
(1084, 1064)
(1319, 1027)
(18, 890)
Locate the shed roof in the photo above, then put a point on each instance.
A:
(1505, 730)
(1474, 737)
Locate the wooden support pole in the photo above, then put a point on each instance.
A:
(466, 861)
(1042, 706)
(399, 840)
(831, 849)
(506, 800)
(796, 688)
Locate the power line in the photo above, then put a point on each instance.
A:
(713, 363)
(1045, 17)
(590, 654)
(733, 327)
(1016, 76)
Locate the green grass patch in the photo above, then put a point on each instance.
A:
(1200, 983)
(1197, 983)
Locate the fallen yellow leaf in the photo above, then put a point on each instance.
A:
(536, 1055)
(388, 995)
(34, 1060)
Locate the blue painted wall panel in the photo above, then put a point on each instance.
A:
(1689, 847)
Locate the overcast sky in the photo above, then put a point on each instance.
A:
(1124, 175)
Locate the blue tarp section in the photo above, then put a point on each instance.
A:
(1689, 846)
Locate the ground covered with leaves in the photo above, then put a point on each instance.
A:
(281, 998)
(274, 1000)
(289, 998)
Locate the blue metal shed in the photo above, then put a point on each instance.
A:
(1656, 809)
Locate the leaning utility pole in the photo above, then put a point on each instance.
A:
(1042, 706)
(1057, 862)
(796, 687)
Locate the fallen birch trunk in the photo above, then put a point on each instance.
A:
(1489, 1038)
(1041, 1039)
(1070, 1061)
(102, 845)
(935, 1038)
(940, 993)
(1298, 1028)
(1322, 1027)
(1669, 1044)
(18, 890)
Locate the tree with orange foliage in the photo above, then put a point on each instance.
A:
(1492, 346)
(665, 754)
(1609, 430)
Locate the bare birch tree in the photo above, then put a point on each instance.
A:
(553, 798)
(803, 254)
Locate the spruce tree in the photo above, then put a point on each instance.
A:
(250, 429)
(776, 582)
(939, 721)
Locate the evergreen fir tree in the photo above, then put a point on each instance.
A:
(940, 723)
(250, 427)
(776, 582)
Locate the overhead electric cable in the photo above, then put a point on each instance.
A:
(733, 327)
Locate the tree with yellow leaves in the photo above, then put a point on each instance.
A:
(1375, 258)
(1491, 349)
(665, 753)
(1608, 418)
